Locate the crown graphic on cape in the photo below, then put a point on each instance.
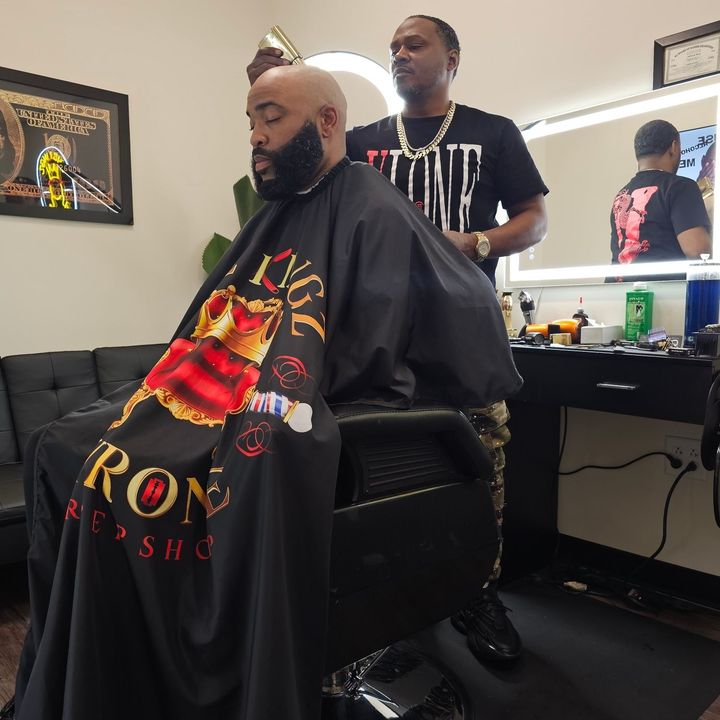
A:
(215, 372)
(245, 327)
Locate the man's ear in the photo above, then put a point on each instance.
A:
(673, 151)
(453, 60)
(329, 120)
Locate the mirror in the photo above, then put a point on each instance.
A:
(585, 158)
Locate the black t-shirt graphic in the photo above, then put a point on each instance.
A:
(650, 212)
(483, 160)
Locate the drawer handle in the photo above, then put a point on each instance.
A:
(616, 386)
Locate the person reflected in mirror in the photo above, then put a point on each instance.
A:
(658, 215)
(455, 163)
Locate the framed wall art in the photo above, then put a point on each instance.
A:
(64, 150)
(687, 55)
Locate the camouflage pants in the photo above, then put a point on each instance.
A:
(491, 425)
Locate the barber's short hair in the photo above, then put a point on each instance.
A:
(654, 138)
(448, 35)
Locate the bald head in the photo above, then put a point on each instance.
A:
(297, 120)
(302, 86)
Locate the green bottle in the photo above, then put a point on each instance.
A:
(638, 311)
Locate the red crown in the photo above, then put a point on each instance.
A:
(244, 327)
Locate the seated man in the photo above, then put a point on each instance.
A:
(181, 528)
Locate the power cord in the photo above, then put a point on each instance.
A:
(690, 467)
(674, 462)
(632, 595)
(588, 582)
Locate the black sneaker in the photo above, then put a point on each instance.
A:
(490, 634)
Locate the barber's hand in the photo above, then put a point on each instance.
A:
(265, 59)
(464, 242)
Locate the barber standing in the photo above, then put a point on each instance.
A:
(455, 163)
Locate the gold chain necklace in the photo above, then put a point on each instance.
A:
(412, 153)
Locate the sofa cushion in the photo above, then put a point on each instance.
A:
(117, 366)
(45, 386)
(8, 445)
(12, 497)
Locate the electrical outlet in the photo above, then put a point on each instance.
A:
(686, 449)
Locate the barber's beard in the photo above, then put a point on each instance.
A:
(294, 165)
(420, 87)
(411, 93)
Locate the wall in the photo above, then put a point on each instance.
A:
(624, 508)
(521, 59)
(72, 285)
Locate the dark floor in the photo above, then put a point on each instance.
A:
(14, 611)
(583, 660)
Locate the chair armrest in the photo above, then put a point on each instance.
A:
(386, 450)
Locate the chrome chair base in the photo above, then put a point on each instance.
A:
(396, 682)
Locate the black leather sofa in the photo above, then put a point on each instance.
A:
(36, 389)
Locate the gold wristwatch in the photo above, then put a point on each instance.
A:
(482, 246)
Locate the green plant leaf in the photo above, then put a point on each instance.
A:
(247, 200)
(214, 250)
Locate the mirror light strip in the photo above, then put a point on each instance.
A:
(550, 127)
(588, 272)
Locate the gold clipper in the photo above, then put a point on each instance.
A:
(278, 39)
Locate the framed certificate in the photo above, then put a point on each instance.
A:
(687, 55)
(64, 150)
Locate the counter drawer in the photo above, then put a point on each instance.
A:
(648, 386)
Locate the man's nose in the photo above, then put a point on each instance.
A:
(400, 57)
(257, 137)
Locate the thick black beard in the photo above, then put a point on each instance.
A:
(295, 164)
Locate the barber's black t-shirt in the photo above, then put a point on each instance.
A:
(483, 160)
(650, 212)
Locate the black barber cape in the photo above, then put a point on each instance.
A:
(181, 528)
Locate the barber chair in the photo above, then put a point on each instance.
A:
(414, 539)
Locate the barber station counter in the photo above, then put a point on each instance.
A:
(643, 383)
(626, 381)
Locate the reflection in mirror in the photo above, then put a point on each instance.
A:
(585, 158)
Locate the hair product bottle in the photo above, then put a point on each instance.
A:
(506, 305)
(638, 311)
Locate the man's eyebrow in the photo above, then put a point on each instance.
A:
(407, 38)
(267, 104)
